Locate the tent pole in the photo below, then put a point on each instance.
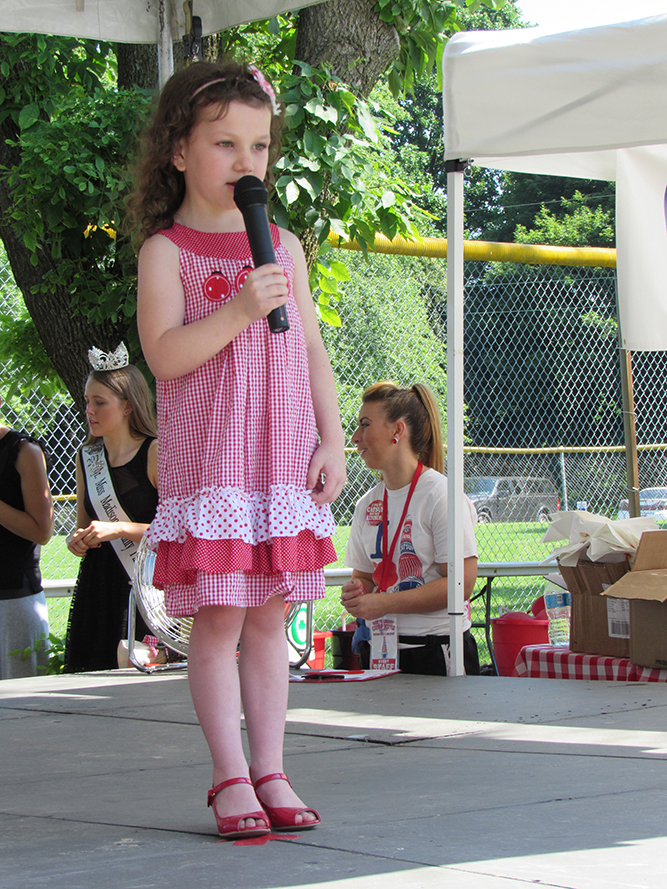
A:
(165, 49)
(455, 592)
(629, 428)
(630, 432)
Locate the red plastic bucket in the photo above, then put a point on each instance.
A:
(539, 609)
(510, 632)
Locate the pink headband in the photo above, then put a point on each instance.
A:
(257, 76)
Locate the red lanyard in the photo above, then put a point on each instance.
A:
(385, 573)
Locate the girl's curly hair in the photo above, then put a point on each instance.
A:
(159, 186)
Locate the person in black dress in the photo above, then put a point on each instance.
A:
(121, 451)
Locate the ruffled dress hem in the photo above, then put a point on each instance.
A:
(242, 590)
(179, 563)
(232, 514)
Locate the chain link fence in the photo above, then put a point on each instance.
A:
(542, 391)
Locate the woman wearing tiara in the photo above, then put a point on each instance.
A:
(116, 499)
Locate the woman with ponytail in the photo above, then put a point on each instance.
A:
(398, 540)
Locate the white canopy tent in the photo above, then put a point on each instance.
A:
(589, 104)
(162, 22)
(132, 21)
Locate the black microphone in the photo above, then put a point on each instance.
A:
(251, 198)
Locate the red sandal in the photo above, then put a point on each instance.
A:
(284, 817)
(229, 826)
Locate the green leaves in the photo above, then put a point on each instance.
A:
(333, 174)
(318, 109)
(71, 176)
(581, 226)
(326, 277)
(28, 116)
(291, 191)
(28, 367)
(422, 28)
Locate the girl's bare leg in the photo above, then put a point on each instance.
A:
(214, 685)
(264, 675)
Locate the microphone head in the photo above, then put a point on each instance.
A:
(248, 191)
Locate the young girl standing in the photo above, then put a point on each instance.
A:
(251, 447)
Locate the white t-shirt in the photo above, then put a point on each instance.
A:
(421, 546)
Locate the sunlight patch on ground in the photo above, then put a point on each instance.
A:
(76, 685)
(414, 727)
(635, 864)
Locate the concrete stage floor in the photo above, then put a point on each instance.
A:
(470, 783)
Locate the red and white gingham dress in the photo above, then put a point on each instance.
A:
(235, 523)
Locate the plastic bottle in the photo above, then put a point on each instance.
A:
(558, 611)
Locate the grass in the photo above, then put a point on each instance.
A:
(56, 561)
(502, 542)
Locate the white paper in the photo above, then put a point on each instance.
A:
(593, 536)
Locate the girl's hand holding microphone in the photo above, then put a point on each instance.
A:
(264, 290)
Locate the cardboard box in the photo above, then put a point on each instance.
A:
(597, 625)
(646, 589)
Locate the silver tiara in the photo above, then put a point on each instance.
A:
(100, 360)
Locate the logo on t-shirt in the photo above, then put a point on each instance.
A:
(374, 513)
(410, 574)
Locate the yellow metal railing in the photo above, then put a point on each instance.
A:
(490, 251)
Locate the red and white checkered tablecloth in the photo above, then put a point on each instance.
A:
(558, 662)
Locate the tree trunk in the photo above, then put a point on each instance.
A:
(65, 335)
(137, 64)
(348, 37)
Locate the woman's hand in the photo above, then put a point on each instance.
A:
(101, 532)
(94, 536)
(75, 542)
(358, 602)
(330, 463)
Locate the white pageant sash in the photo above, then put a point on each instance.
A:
(105, 502)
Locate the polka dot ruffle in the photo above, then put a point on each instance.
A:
(231, 514)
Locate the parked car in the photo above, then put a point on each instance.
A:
(512, 498)
(652, 503)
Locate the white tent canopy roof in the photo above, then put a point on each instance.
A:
(590, 104)
(131, 21)
(560, 103)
